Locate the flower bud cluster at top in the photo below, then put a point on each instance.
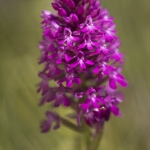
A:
(80, 53)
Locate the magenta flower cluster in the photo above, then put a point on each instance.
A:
(80, 52)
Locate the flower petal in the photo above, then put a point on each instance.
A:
(57, 102)
(96, 70)
(82, 45)
(45, 126)
(80, 10)
(62, 12)
(77, 80)
(69, 83)
(89, 46)
(74, 17)
(89, 62)
(65, 101)
(75, 64)
(115, 110)
(82, 65)
(112, 83)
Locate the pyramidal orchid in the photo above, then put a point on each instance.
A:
(80, 53)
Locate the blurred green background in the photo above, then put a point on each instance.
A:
(20, 115)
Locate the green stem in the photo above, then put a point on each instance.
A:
(92, 143)
(96, 141)
(86, 135)
(72, 126)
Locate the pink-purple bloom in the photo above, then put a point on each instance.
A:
(80, 52)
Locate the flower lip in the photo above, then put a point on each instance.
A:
(88, 26)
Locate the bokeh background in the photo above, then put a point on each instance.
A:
(20, 115)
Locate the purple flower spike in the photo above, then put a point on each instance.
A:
(82, 62)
